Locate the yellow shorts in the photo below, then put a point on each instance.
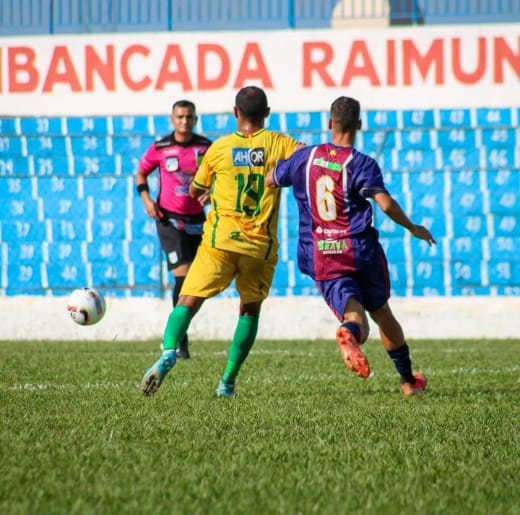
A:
(213, 270)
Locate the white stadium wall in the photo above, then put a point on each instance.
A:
(386, 68)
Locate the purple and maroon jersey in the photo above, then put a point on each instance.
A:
(331, 185)
(177, 163)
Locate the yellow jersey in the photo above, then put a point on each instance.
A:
(244, 214)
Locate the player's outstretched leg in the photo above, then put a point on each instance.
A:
(417, 388)
(354, 359)
(154, 375)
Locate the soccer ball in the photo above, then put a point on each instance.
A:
(86, 306)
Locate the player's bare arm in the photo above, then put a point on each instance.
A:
(393, 210)
(152, 209)
(202, 194)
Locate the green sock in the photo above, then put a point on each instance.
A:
(243, 339)
(176, 327)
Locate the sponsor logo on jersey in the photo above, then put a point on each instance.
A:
(248, 156)
(320, 161)
(332, 246)
(172, 164)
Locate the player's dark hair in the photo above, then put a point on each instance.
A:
(344, 113)
(251, 102)
(184, 103)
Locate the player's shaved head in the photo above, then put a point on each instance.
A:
(344, 114)
(251, 102)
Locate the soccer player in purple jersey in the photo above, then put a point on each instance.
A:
(339, 248)
(179, 217)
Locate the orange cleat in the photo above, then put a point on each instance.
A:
(354, 359)
(417, 388)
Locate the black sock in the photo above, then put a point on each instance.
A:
(354, 329)
(403, 363)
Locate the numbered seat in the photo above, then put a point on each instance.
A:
(416, 139)
(161, 125)
(421, 251)
(474, 226)
(142, 230)
(500, 157)
(24, 277)
(394, 248)
(398, 276)
(415, 159)
(95, 164)
(90, 145)
(376, 120)
(145, 274)
(68, 230)
(12, 146)
(144, 251)
(466, 202)
(106, 229)
(495, 138)
(24, 252)
(456, 138)
(427, 273)
(307, 137)
(466, 273)
(66, 208)
(10, 126)
(62, 252)
(55, 188)
(42, 125)
(131, 145)
(418, 118)
(67, 275)
(216, 124)
(107, 250)
(493, 117)
(460, 158)
(503, 272)
(131, 125)
(18, 165)
(47, 145)
(87, 125)
(503, 247)
(21, 209)
(455, 118)
(23, 230)
(110, 274)
(375, 140)
(506, 225)
(305, 121)
(465, 247)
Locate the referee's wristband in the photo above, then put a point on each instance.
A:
(142, 187)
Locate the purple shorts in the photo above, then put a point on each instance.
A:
(370, 285)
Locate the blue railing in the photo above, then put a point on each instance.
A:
(92, 16)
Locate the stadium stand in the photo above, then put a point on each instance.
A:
(69, 213)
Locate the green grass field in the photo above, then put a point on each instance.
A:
(303, 435)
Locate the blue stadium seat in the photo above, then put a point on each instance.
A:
(47, 145)
(24, 276)
(87, 125)
(457, 137)
(504, 272)
(374, 141)
(466, 202)
(427, 273)
(145, 274)
(134, 145)
(18, 231)
(282, 278)
(221, 123)
(21, 209)
(475, 225)
(465, 248)
(110, 229)
(494, 138)
(504, 191)
(68, 208)
(494, 117)
(506, 225)
(107, 250)
(67, 275)
(42, 125)
(309, 138)
(95, 164)
(108, 187)
(10, 126)
(12, 146)
(394, 248)
(16, 165)
(55, 188)
(394, 180)
(464, 180)
(458, 118)
(144, 251)
(62, 252)
(143, 230)
(132, 125)
(461, 157)
(427, 181)
(418, 118)
(127, 165)
(504, 202)
(90, 145)
(416, 159)
(500, 157)
(375, 120)
(112, 274)
(68, 230)
(503, 247)
(466, 273)
(51, 165)
(24, 252)
(274, 122)
(416, 139)
(161, 125)
(305, 121)
(398, 275)
(421, 251)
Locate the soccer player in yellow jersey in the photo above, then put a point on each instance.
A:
(239, 238)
